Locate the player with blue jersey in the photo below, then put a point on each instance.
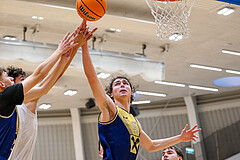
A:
(12, 95)
(120, 133)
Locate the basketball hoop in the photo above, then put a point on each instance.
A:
(171, 17)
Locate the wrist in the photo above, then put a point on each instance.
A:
(179, 138)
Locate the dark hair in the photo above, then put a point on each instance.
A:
(178, 151)
(15, 72)
(109, 88)
(2, 69)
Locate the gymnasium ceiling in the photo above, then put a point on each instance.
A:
(209, 34)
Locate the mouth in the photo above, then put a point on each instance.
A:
(123, 90)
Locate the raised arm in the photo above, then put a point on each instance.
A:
(156, 145)
(48, 82)
(105, 104)
(39, 90)
(42, 70)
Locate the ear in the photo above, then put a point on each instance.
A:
(2, 85)
(180, 158)
(111, 95)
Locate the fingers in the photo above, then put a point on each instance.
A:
(193, 128)
(197, 130)
(185, 127)
(93, 30)
(66, 36)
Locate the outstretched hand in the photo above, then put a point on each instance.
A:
(66, 44)
(188, 135)
(82, 34)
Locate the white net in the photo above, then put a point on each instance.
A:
(171, 17)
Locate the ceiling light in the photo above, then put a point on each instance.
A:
(70, 92)
(230, 52)
(203, 88)
(227, 82)
(34, 17)
(40, 18)
(113, 30)
(103, 75)
(175, 37)
(118, 30)
(205, 67)
(8, 37)
(170, 83)
(232, 71)
(226, 11)
(45, 106)
(141, 102)
(151, 93)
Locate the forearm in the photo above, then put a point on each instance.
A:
(46, 66)
(164, 143)
(87, 63)
(47, 83)
(95, 84)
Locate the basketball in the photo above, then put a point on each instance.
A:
(91, 10)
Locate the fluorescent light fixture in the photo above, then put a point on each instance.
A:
(203, 88)
(170, 83)
(232, 71)
(34, 17)
(226, 11)
(205, 67)
(103, 75)
(70, 92)
(230, 52)
(175, 37)
(45, 106)
(151, 94)
(141, 102)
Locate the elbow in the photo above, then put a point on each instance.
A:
(150, 148)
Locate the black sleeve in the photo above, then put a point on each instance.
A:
(9, 98)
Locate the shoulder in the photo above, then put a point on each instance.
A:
(139, 124)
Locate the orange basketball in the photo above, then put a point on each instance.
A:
(91, 10)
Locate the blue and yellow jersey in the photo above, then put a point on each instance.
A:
(9, 121)
(120, 138)
(8, 134)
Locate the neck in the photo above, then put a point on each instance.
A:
(123, 104)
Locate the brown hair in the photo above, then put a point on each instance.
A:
(178, 151)
(15, 72)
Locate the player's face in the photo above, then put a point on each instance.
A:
(19, 79)
(170, 154)
(6, 80)
(120, 88)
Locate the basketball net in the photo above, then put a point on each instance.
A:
(171, 17)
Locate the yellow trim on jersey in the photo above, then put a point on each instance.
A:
(17, 130)
(129, 121)
(9, 115)
(106, 123)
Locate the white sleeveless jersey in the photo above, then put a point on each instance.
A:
(26, 139)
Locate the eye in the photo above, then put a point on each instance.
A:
(117, 84)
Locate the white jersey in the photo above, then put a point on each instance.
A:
(27, 135)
